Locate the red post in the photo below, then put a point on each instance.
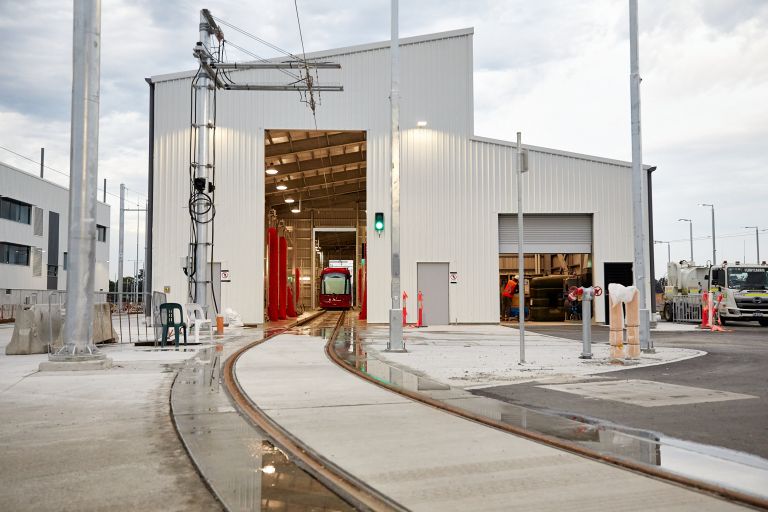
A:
(282, 279)
(421, 309)
(705, 310)
(273, 292)
(364, 308)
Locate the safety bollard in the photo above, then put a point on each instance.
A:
(219, 325)
(633, 326)
(405, 308)
(616, 322)
(421, 309)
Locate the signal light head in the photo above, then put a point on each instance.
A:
(378, 223)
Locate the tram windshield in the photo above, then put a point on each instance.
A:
(335, 284)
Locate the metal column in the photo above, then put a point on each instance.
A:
(83, 184)
(121, 249)
(520, 248)
(395, 314)
(714, 249)
(637, 180)
(203, 92)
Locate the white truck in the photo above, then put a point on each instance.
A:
(744, 290)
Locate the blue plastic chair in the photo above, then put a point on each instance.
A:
(169, 319)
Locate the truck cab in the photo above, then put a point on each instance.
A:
(744, 290)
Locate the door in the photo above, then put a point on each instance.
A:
(432, 281)
(620, 273)
(53, 249)
(547, 234)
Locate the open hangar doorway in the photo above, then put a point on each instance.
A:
(315, 197)
(558, 255)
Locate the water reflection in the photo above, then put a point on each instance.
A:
(720, 466)
(246, 471)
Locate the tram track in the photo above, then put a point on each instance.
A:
(354, 491)
(646, 470)
(362, 496)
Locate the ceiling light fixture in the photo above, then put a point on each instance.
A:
(295, 209)
(290, 200)
(271, 171)
(281, 187)
(421, 124)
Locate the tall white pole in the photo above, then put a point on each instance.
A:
(136, 266)
(121, 249)
(520, 248)
(757, 242)
(714, 247)
(637, 179)
(690, 237)
(83, 184)
(395, 314)
(201, 171)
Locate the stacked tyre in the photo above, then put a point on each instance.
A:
(548, 299)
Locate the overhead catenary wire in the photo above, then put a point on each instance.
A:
(65, 173)
(308, 77)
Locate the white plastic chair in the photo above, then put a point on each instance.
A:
(196, 318)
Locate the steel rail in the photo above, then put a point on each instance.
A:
(645, 470)
(354, 491)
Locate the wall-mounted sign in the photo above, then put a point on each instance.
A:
(225, 277)
(454, 277)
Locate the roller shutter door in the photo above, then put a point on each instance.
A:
(551, 234)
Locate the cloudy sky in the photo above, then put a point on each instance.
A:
(557, 70)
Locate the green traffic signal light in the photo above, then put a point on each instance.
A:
(378, 223)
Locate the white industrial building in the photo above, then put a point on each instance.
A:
(458, 191)
(33, 235)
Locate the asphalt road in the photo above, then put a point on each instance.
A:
(736, 361)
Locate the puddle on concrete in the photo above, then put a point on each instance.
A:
(728, 468)
(246, 471)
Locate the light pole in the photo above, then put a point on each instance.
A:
(669, 251)
(714, 250)
(757, 241)
(690, 235)
(638, 175)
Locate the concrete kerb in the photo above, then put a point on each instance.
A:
(75, 366)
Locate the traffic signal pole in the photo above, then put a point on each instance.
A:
(395, 314)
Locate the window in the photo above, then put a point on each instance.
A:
(14, 254)
(64, 262)
(335, 284)
(53, 271)
(15, 210)
(101, 233)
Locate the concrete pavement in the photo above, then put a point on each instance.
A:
(735, 362)
(426, 459)
(93, 440)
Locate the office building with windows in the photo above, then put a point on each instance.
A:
(33, 234)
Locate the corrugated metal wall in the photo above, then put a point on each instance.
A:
(453, 186)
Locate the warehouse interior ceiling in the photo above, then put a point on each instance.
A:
(320, 169)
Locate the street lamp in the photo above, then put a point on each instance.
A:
(690, 234)
(757, 241)
(714, 251)
(669, 251)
